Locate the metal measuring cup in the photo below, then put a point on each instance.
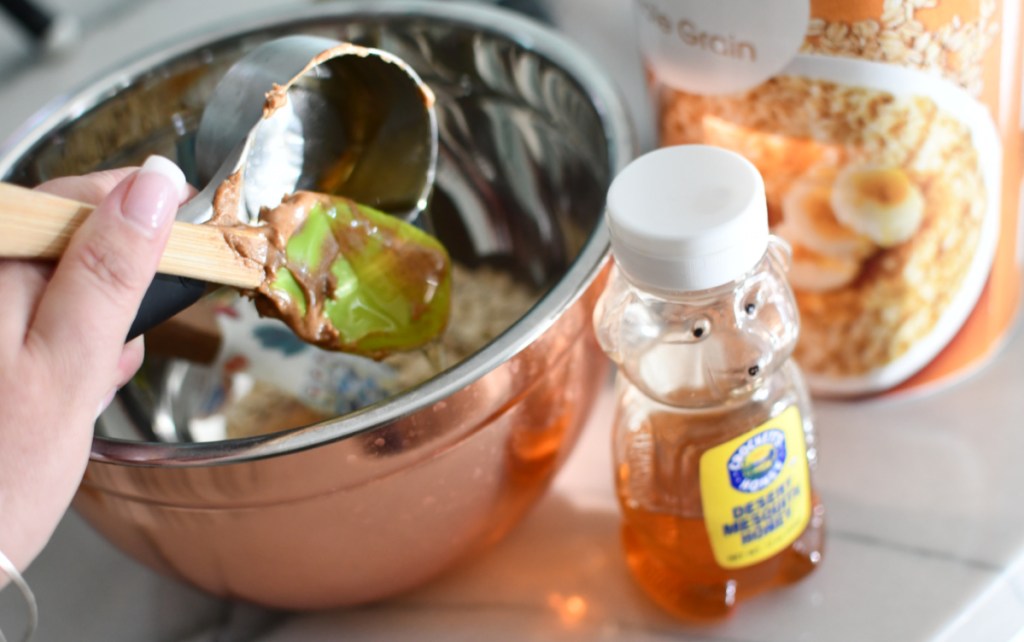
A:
(317, 114)
(307, 113)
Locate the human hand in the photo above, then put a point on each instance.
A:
(62, 342)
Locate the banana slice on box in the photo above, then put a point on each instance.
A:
(881, 203)
(812, 271)
(811, 222)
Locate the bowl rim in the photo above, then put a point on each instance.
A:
(620, 141)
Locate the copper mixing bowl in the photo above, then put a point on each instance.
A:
(378, 501)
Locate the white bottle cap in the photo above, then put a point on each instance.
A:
(686, 218)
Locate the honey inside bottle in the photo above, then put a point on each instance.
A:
(668, 549)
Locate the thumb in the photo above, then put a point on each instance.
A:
(86, 309)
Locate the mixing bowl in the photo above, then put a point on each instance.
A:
(378, 501)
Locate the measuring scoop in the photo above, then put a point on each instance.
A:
(310, 113)
(305, 113)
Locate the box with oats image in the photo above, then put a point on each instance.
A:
(888, 133)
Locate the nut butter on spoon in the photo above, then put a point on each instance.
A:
(299, 113)
(342, 275)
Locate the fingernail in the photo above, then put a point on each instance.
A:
(157, 189)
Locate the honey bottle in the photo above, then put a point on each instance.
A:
(714, 444)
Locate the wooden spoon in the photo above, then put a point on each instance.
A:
(37, 225)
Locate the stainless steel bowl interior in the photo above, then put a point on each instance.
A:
(531, 132)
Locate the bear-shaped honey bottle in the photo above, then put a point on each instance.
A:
(714, 443)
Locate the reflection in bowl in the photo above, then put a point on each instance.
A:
(378, 501)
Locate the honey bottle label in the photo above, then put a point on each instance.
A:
(755, 491)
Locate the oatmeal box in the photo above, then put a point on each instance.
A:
(889, 136)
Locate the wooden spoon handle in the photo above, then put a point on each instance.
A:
(39, 225)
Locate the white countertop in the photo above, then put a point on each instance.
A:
(925, 517)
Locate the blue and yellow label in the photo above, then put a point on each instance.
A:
(755, 491)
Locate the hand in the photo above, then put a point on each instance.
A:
(62, 342)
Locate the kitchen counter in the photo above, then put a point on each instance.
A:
(925, 518)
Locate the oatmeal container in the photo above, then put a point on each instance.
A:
(889, 136)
